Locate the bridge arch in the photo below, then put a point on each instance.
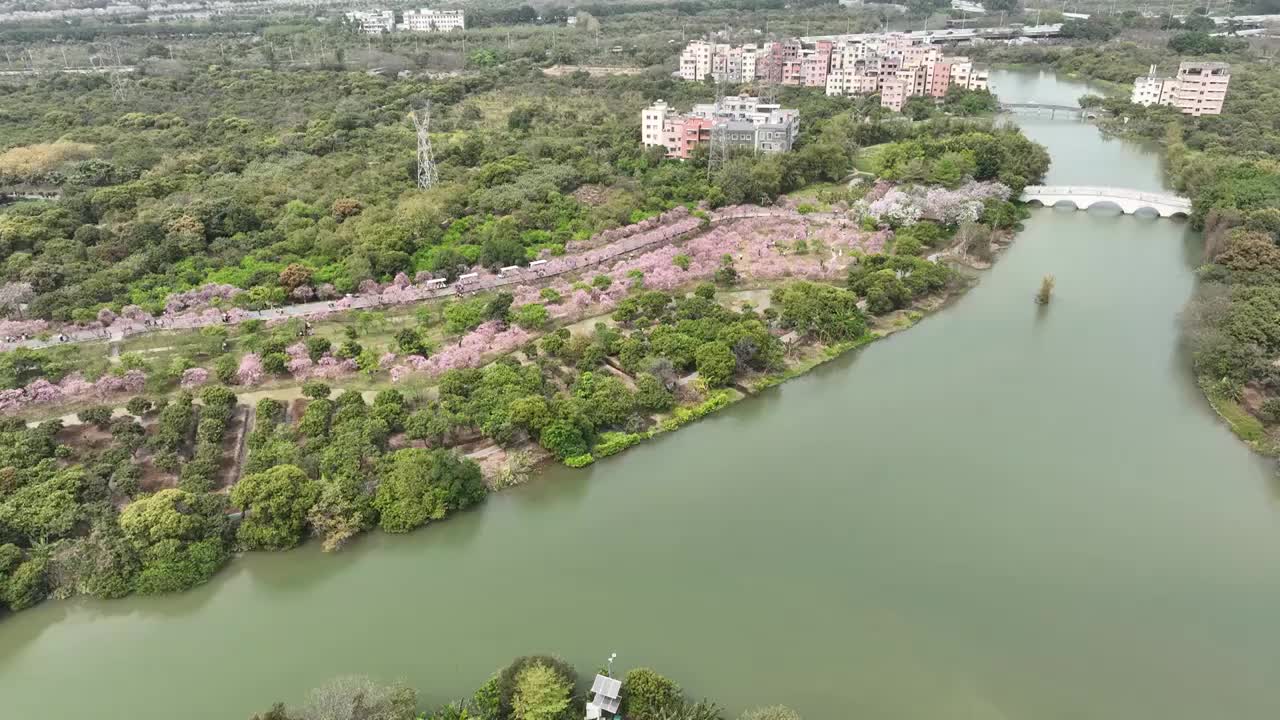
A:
(1129, 202)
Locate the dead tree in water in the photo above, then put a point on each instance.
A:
(1046, 290)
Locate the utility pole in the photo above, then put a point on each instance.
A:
(427, 173)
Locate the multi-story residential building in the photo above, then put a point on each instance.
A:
(744, 121)
(893, 93)
(1200, 88)
(1153, 90)
(695, 60)
(652, 121)
(855, 65)
(375, 22)
(378, 22)
(428, 20)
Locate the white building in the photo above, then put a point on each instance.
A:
(652, 119)
(695, 60)
(1200, 88)
(1151, 89)
(428, 20)
(375, 22)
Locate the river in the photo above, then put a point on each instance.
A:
(1006, 512)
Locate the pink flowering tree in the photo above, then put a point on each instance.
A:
(193, 378)
(250, 371)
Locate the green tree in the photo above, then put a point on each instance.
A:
(540, 694)
(821, 311)
(646, 695)
(26, 585)
(316, 390)
(420, 485)
(563, 439)
(716, 363)
(275, 502)
(533, 316)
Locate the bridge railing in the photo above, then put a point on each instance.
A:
(1109, 192)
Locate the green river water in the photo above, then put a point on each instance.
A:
(1005, 512)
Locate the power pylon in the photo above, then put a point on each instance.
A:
(427, 173)
(718, 152)
(120, 86)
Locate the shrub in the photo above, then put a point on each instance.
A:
(686, 415)
(579, 461)
(138, 406)
(98, 416)
(316, 390)
(612, 443)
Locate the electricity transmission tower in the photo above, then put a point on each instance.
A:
(718, 151)
(120, 86)
(427, 173)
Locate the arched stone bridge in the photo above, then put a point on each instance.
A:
(1129, 201)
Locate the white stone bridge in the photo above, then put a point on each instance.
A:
(1129, 201)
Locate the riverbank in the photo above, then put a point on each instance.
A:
(564, 694)
(586, 390)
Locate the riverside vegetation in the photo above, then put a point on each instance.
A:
(533, 687)
(1229, 165)
(200, 193)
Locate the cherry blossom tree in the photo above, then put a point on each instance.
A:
(193, 378)
(250, 371)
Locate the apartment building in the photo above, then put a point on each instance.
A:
(375, 22)
(428, 20)
(695, 60)
(742, 121)
(1151, 89)
(893, 94)
(1199, 88)
(853, 65)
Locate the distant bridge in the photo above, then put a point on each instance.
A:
(1049, 108)
(1129, 201)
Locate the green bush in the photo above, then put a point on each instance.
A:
(686, 415)
(578, 461)
(612, 443)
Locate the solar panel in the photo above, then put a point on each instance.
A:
(606, 686)
(613, 687)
